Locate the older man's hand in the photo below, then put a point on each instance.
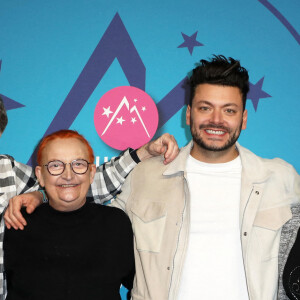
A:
(165, 145)
(13, 217)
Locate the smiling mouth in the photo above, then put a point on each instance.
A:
(215, 132)
(67, 185)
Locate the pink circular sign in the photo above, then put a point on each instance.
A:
(126, 117)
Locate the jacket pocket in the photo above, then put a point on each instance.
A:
(148, 223)
(267, 230)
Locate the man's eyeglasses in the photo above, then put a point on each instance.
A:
(57, 167)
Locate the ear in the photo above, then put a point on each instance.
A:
(188, 115)
(245, 117)
(92, 172)
(39, 175)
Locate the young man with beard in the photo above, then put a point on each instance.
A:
(207, 226)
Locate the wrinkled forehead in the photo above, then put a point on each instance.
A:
(65, 149)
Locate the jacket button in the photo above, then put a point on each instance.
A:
(257, 192)
(245, 233)
(168, 268)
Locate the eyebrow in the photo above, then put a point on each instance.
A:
(55, 159)
(209, 103)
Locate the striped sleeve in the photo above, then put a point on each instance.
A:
(110, 176)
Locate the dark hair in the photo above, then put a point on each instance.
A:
(3, 117)
(220, 71)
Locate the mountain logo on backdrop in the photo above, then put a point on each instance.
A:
(126, 117)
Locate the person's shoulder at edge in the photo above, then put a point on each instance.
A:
(273, 164)
(6, 157)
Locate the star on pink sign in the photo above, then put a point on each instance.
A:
(107, 111)
(120, 120)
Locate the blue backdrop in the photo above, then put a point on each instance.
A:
(45, 47)
(57, 58)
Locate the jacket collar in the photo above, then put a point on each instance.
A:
(253, 168)
(178, 165)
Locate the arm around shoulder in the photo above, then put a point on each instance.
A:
(110, 176)
(25, 178)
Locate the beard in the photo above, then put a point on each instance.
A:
(233, 136)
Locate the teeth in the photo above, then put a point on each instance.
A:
(68, 185)
(218, 132)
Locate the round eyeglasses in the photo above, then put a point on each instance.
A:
(57, 167)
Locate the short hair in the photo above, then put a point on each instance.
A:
(63, 134)
(220, 70)
(3, 117)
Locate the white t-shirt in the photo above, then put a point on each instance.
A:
(213, 267)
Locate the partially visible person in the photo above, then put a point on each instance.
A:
(289, 258)
(15, 178)
(69, 250)
(3, 117)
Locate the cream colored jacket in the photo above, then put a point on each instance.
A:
(156, 198)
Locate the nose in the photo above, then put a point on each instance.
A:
(68, 174)
(216, 116)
